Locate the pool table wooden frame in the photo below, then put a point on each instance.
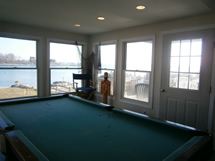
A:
(200, 150)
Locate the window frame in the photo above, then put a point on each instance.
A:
(96, 47)
(38, 41)
(185, 72)
(66, 68)
(123, 71)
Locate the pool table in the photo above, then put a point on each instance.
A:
(67, 128)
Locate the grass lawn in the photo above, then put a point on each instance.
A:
(13, 92)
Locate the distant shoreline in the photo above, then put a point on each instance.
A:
(32, 64)
(16, 64)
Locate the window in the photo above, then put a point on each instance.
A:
(185, 63)
(65, 59)
(107, 56)
(138, 69)
(18, 68)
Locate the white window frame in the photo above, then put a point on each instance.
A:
(96, 47)
(39, 60)
(48, 59)
(123, 70)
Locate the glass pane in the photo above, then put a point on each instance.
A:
(185, 47)
(65, 55)
(194, 81)
(175, 48)
(184, 64)
(183, 81)
(195, 64)
(196, 48)
(17, 53)
(108, 56)
(190, 62)
(173, 80)
(137, 86)
(18, 83)
(101, 77)
(174, 64)
(61, 80)
(139, 56)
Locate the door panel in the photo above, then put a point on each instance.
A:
(191, 113)
(172, 107)
(186, 76)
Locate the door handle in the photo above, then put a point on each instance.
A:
(162, 90)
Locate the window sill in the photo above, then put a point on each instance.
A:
(137, 103)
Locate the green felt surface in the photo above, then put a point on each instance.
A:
(69, 129)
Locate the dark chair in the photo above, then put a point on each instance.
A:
(88, 90)
(142, 91)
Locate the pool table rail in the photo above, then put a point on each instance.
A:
(5, 123)
(21, 151)
(198, 148)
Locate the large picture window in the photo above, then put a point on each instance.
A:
(18, 68)
(107, 57)
(138, 69)
(65, 59)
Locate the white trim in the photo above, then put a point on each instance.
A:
(103, 43)
(212, 97)
(158, 74)
(95, 45)
(196, 28)
(122, 78)
(84, 44)
(161, 35)
(19, 36)
(136, 39)
(47, 62)
(39, 54)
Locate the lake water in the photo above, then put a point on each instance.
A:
(29, 76)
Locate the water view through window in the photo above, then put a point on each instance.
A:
(108, 54)
(65, 59)
(18, 72)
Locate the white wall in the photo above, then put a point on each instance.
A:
(193, 23)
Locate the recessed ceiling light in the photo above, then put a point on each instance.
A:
(101, 18)
(77, 25)
(140, 7)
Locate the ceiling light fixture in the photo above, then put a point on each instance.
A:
(77, 25)
(140, 7)
(101, 18)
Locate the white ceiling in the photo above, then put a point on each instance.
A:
(63, 14)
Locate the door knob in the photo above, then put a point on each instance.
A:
(162, 90)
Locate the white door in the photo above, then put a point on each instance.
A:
(186, 77)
